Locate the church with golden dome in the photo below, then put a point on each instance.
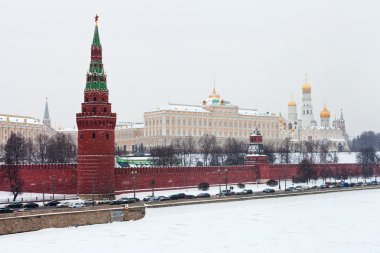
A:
(307, 129)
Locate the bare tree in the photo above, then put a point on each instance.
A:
(41, 144)
(270, 153)
(208, 148)
(61, 149)
(305, 171)
(367, 159)
(164, 155)
(234, 151)
(285, 152)
(14, 155)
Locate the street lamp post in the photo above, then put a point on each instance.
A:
(220, 186)
(53, 185)
(134, 184)
(292, 180)
(226, 177)
(279, 182)
(152, 186)
(93, 190)
(43, 189)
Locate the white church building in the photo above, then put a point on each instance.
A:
(306, 128)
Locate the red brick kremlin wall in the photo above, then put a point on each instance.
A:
(64, 176)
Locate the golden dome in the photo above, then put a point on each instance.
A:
(306, 88)
(214, 94)
(292, 103)
(325, 114)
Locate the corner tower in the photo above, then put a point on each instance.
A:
(96, 131)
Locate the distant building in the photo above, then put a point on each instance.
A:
(214, 116)
(28, 127)
(129, 136)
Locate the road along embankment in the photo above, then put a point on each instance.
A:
(255, 196)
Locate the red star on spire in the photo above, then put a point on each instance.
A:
(96, 18)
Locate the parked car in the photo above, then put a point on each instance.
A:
(52, 203)
(247, 191)
(177, 196)
(203, 195)
(299, 188)
(163, 198)
(104, 201)
(372, 183)
(154, 199)
(290, 189)
(226, 193)
(189, 196)
(322, 186)
(76, 205)
(14, 205)
(359, 184)
(268, 190)
(6, 210)
(117, 202)
(31, 205)
(147, 198)
(314, 187)
(63, 204)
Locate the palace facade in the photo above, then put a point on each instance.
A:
(214, 116)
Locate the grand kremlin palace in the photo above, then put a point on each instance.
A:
(214, 116)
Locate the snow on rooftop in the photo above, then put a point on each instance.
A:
(252, 112)
(19, 119)
(125, 125)
(182, 108)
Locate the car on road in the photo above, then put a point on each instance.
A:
(189, 196)
(372, 183)
(203, 195)
(52, 203)
(31, 205)
(314, 187)
(269, 190)
(6, 210)
(291, 189)
(76, 205)
(14, 205)
(322, 186)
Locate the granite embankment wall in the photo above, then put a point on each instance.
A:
(26, 222)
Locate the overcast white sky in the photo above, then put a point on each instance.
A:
(155, 51)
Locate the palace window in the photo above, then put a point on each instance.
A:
(93, 136)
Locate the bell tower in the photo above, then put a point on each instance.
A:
(96, 131)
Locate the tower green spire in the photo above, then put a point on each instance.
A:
(96, 78)
(96, 39)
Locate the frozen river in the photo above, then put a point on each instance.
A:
(335, 222)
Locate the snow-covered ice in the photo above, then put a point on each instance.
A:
(334, 222)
